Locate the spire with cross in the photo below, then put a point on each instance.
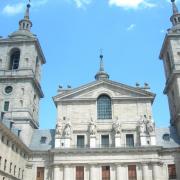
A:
(26, 24)
(101, 74)
(175, 18)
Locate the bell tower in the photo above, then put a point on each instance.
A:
(21, 58)
(170, 54)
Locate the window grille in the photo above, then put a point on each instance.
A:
(129, 140)
(105, 141)
(14, 61)
(104, 110)
(80, 141)
(172, 171)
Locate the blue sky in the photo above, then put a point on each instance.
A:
(72, 32)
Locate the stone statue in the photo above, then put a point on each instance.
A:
(150, 126)
(67, 129)
(117, 127)
(92, 128)
(142, 126)
(146, 125)
(59, 129)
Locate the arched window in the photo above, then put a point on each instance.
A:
(104, 107)
(14, 60)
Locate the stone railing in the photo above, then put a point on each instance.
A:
(17, 72)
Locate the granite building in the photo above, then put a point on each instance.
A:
(105, 129)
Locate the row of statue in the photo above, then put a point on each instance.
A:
(146, 126)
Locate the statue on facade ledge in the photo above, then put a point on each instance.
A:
(146, 126)
(92, 127)
(67, 129)
(59, 129)
(117, 127)
(150, 126)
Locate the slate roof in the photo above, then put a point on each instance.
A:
(36, 141)
(174, 140)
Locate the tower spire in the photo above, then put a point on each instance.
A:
(26, 15)
(26, 24)
(101, 74)
(174, 7)
(175, 18)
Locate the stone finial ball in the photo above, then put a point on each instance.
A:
(28, 5)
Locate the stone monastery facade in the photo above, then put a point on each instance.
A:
(104, 131)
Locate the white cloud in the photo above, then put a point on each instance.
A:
(132, 4)
(82, 3)
(131, 27)
(13, 9)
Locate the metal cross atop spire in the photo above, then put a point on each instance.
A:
(101, 74)
(26, 16)
(101, 60)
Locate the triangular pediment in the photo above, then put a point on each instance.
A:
(113, 89)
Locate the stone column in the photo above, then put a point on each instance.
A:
(66, 173)
(92, 172)
(56, 172)
(145, 175)
(119, 173)
(156, 171)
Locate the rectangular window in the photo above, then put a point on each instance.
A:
(22, 174)
(129, 140)
(5, 164)
(19, 172)
(80, 141)
(79, 173)
(43, 140)
(2, 138)
(10, 168)
(105, 172)
(104, 140)
(40, 173)
(6, 106)
(14, 170)
(172, 171)
(132, 172)
(0, 161)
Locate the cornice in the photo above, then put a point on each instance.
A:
(65, 94)
(106, 150)
(25, 40)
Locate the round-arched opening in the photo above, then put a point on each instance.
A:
(104, 107)
(14, 59)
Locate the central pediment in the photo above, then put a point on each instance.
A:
(92, 91)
